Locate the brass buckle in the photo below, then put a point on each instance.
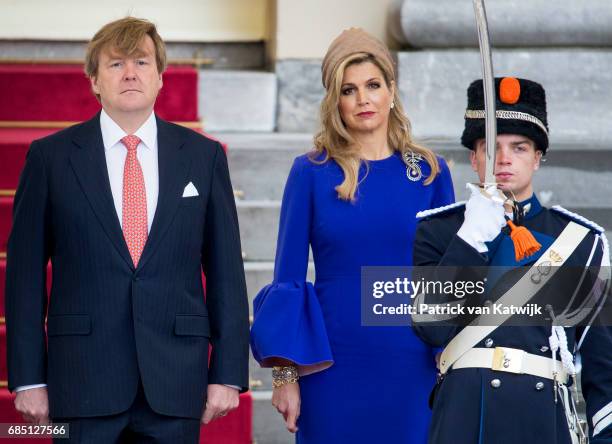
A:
(508, 360)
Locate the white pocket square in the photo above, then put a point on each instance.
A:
(190, 190)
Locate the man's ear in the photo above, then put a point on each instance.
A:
(94, 85)
(538, 155)
(473, 159)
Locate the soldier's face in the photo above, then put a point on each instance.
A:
(516, 160)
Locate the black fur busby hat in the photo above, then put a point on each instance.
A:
(520, 108)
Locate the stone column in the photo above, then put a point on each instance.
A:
(512, 23)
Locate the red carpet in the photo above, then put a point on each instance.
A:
(3, 369)
(63, 93)
(235, 428)
(2, 281)
(6, 208)
(14, 145)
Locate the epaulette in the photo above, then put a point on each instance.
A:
(447, 209)
(575, 217)
(589, 224)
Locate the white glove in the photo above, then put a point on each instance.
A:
(484, 217)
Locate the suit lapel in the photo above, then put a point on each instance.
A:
(89, 164)
(173, 168)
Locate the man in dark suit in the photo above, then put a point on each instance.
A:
(129, 209)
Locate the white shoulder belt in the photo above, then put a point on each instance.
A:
(520, 293)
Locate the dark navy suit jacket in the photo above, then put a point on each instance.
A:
(109, 324)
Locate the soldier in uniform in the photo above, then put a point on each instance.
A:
(531, 397)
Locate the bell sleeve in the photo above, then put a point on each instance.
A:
(288, 322)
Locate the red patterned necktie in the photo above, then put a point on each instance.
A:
(134, 217)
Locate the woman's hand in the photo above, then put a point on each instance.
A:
(286, 399)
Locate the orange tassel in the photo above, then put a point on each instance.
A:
(524, 243)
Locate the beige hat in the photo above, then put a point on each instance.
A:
(351, 41)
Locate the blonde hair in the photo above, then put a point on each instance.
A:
(124, 35)
(335, 141)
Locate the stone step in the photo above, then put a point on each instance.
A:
(223, 55)
(300, 92)
(571, 173)
(258, 228)
(259, 165)
(578, 99)
(565, 178)
(268, 424)
(449, 23)
(260, 379)
(259, 223)
(258, 275)
(237, 100)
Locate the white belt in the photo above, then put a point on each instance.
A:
(511, 360)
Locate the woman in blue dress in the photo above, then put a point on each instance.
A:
(353, 200)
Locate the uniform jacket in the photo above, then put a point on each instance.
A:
(468, 407)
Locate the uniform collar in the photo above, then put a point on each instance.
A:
(531, 206)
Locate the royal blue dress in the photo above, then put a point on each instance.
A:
(358, 384)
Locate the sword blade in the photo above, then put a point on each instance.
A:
(488, 82)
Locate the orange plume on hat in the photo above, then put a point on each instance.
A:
(509, 90)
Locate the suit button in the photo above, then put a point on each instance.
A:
(489, 343)
(495, 383)
(539, 386)
(543, 349)
(135, 278)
